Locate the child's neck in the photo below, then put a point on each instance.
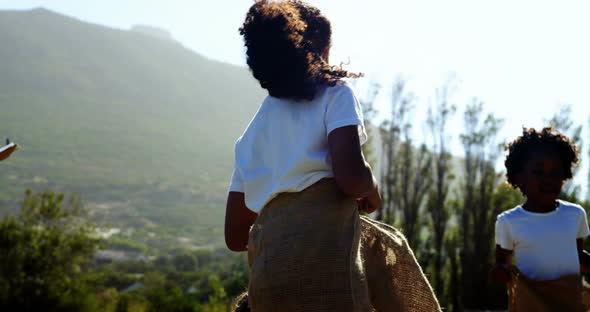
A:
(540, 207)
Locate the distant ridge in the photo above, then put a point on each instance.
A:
(153, 31)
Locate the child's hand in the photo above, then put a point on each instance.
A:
(6, 150)
(371, 202)
(500, 273)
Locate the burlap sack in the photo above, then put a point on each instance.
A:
(395, 279)
(563, 295)
(305, 254)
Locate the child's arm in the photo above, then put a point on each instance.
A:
(584, 256)
(238, 220)
(352, 173)
(500, 271)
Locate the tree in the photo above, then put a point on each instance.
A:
(401, 103)
(478, 213)
(406, 169)
(165, 295)
(217, 300)
(414, 182)
(563, 122)
(185, 262)
(369, 112)
(450, 296)
(42, 252)
(438, 117)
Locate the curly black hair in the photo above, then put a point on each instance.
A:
(548, 138)
(287, 43)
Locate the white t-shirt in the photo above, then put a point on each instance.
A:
(544, 244)
(285, 146)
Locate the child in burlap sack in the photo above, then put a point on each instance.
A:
(545, 235)
(300, 179)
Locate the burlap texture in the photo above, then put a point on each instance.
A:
(310, 251)
(395, 279)
(563, 295)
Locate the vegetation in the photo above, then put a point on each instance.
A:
(42, 251)
(131, 123)
(450, 225)
(47, 263)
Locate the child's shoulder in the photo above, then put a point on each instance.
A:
(510, 213)
(341, 87)
(570, 207)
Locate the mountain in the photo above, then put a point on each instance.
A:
(142, 128)
(153, 31)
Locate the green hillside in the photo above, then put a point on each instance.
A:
(141, 127)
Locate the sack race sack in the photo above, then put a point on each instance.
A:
(565, 294)
(311, 251)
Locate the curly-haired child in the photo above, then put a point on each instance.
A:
(300, 177)
(545, 234)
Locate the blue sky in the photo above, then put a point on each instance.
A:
(522, 58)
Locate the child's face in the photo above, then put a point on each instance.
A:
(542, 177)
